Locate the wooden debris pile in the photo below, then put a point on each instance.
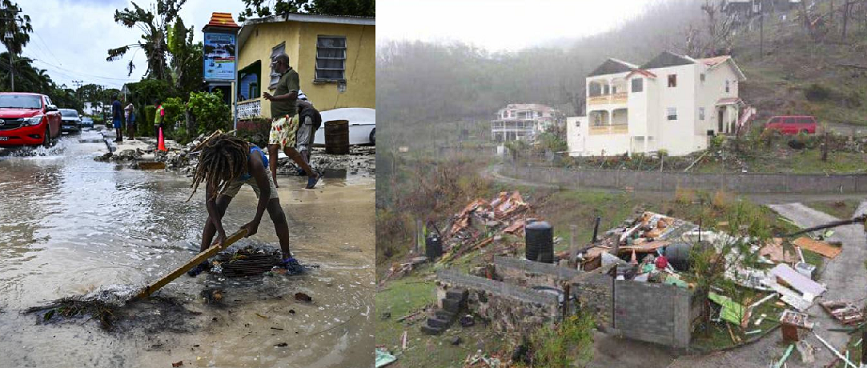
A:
(480, 221)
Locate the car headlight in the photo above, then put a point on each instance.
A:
(34, 120)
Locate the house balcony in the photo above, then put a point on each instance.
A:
(250, 109)
(613, 98)
(609, 129)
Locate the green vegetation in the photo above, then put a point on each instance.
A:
(842, 209)
(563, 344)
(411, 294)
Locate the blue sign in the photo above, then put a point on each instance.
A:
(219, 49)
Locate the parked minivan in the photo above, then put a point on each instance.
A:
(792, 125)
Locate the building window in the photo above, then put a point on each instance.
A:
(605, 89)
(330, 58)
(275, 77)
(672, 113)
(637, 85)
(672, 80)
(727, 86)
(701, 113)
(577, 123)
(250, 81)
(701, 77)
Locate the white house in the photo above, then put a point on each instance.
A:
(523, 121)
(673, 102)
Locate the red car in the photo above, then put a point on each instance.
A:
(27, 119)
(792, 125)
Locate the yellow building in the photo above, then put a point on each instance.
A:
(335, 57)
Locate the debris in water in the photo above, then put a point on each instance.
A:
(282, 345)
(248, 261)
(261, 316)
(101, 304)
(178, 364)
(303, 297)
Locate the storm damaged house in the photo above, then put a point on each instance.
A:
(672, 102)
(523, 122)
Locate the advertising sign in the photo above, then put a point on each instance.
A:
(219, 56)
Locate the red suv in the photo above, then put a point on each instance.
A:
(792, 125)
(27, 119)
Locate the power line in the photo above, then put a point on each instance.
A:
(46, 47)
(81, 73)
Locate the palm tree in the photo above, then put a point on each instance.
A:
(154, 29)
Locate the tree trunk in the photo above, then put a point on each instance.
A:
(845, 19)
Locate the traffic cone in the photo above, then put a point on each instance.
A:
(162, 142)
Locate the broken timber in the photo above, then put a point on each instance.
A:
(199, 258)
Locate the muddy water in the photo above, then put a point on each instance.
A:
(69, 225)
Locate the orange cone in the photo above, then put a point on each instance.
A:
(162, 142)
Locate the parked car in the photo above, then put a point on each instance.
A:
(28, 119)
(792, 125)
(70, 121)
(362, 125)
(87, 122)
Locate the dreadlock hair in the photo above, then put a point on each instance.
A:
(223, 159)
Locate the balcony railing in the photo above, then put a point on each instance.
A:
(616, 98)
(250, 109)
(609, 129)
(619, 97)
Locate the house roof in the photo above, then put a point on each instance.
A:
(643, 72)
(223, 20)
(715, 62)
(667, 59)
(728, 101)
(612, 66)
(250, 24)
(532, 106)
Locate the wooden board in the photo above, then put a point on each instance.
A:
(820, 247)
(199, 258)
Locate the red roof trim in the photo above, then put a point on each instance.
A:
(223, 20)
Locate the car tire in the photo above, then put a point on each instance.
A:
(46, 138)
(373, 136)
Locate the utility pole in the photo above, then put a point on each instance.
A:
(78, 84)
(8, 37)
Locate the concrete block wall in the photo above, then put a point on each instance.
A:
(668, 181)
(595, 295)
(656, 313)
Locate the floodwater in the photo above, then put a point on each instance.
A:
(70, 225)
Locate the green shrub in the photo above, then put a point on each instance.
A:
(210, 111)
(145, 127)
(560, 346)
(816, 92)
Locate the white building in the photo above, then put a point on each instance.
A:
(523, 122)
(673, 102)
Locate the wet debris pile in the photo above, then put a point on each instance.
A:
(75, 307)
(361, 159)
(247, 261)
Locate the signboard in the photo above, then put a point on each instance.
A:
(219, 49)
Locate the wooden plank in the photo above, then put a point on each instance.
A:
(199, 258)
(820, 247)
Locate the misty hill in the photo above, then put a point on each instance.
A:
(801, 70)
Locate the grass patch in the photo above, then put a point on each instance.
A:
(411, 294)
(840, 209)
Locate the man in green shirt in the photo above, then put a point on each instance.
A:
(284, 123)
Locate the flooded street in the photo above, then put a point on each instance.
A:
(69, 225)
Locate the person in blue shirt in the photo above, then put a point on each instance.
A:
(117, 118)
(226, 163)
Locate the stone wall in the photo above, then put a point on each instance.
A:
(669, 181)
(509, 308)
(522, 272)
(656, 313)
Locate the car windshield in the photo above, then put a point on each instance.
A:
(20, 102)
(69, 113)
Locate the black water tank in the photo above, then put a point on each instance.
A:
(540, 242)
(433, 247)
(677, 255)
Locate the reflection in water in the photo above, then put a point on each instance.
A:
(69, 225)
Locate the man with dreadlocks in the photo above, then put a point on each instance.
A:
(226, 163)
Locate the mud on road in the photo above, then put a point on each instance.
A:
(70, 225)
